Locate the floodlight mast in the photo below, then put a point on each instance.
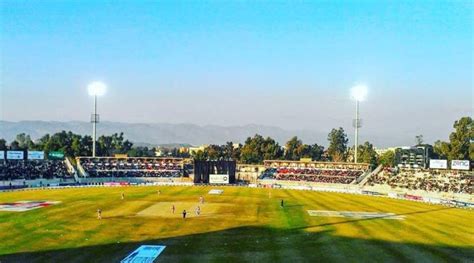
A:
(95, 120)
(359, 93)
(95, 89)
(356, 142)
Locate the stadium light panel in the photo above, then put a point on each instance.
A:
(96, 88)
(359, 92)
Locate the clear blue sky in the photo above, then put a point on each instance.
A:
(288, 64)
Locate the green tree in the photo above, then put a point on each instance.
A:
(104, 146)
(471, 151)
(199, 155)
(337, 149)
(68, 142)
(226, 151)
(252, 150)
(231, 152)
(14, 145)
(86, 146)
(270, 150)
(461, 139)
(119, 144)
(3, 144)
(366, 154)
(215, 152)
(461, 142)
(316, 152)
(256, 149)
(294, 149)
(24, 141)
(141, 152)
(236, 152)
(76, 146)
(442, 149)
(43, 143)
(387, 159)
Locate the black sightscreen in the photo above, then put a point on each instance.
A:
(202, 170)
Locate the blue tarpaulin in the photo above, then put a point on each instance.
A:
(144, 254)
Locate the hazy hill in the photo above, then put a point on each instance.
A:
(160, 133)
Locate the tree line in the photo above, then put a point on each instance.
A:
(257, 148)
(253, 151)
(461, 142)
(459, 147)
(73, 145)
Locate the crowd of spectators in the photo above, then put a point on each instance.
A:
(33, 169)
(315, 165)
(135, 173)
(333, 176)
(132, 167)
(449, 181)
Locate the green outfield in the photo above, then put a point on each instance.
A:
(241, 225)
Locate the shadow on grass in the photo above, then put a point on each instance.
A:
(372, 218)
(259, 244)
(291, 206)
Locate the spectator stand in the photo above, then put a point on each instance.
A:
(364, 178)
(446, 182)
(138, 169)
(249, 173)
(313, 172)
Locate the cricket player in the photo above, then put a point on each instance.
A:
(198, 210)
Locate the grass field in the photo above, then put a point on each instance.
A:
(241, 225)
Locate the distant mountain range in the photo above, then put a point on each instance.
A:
(154, 134)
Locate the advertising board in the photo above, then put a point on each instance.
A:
(35, 155)
(461, 165)
(218, 178)
(56, 155)
(438, 164)
(15, 155)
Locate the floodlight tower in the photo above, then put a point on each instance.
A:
(95, 89)
(358, 93)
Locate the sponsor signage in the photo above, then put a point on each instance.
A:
(22, 206)
(413, 197)
(438, 164)
(432, 200)
(145, 253)
(2, 155)
(116, 183)
(35, 155)
(355, 214)
(120, 155)
(15, 155)
(216, 192)
(56, 155)
(460, 165)
(218, 178)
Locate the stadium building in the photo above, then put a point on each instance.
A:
(414, 157)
